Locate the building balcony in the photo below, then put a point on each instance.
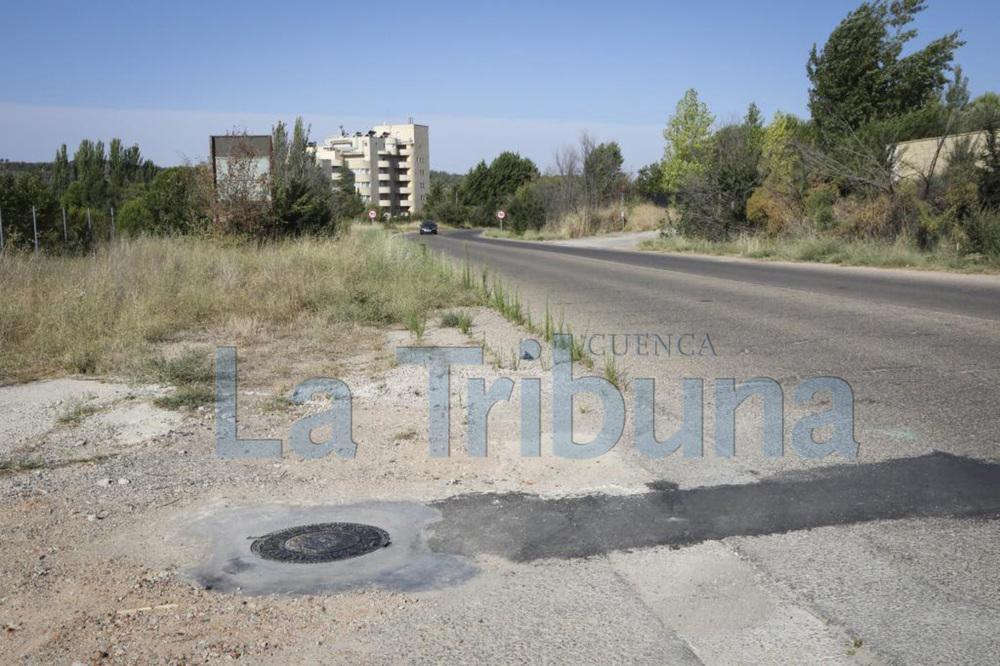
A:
(384, 164)
(384, 202)
(404, 177)
(405, 190)
(384, 190)
(405, 152)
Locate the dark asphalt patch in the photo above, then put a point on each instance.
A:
(524, 527)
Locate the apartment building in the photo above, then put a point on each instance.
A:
(391, 165)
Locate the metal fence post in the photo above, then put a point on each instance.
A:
(112, 224)
(65, 232)
(1, 230)
(34, 225)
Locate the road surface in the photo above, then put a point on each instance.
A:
(905, 561)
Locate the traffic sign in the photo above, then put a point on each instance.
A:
(372, 214)
(501, 214)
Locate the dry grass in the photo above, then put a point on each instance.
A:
(646, 217)
(105, 314)
(639, 217)
(829, 250)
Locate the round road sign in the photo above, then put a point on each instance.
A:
(372, 214)
(501, 214)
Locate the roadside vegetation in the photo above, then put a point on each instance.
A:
(840, 186)
(106, 313)
(829, 250)
(113, 192)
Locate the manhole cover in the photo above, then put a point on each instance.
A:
(325, 542)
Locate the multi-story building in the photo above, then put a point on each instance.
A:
(391, 165)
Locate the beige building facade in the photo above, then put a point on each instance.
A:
(915, 159)
(391, 165)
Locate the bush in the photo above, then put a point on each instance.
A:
(983, 230)
(175, 202)
(819, 205)
(767, 210)
(526, 210)
(449, 212)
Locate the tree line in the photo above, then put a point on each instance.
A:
(837, 172)
(840, 172)
(584, 181)
(71, 201)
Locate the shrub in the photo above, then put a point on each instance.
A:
(819, 202)
(526, 209)
(888, 215)
(770, 211)
(460, 320)
(983, 230)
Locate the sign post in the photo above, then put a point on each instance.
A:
(372, 214)
(623, 208)
(500, 216)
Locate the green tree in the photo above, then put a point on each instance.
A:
(602, 173)
(861, 76)
(303, 194)
(688, 136)
(347, 203)
(173, 203)
(956, 95)
(713, 203)
(486, 188)
(526, 209)
(649, 182)
(989, 173)
(62, 172)
(754, 117)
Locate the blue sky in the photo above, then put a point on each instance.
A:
(528, 76)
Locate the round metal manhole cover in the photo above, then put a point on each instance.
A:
(324, 542)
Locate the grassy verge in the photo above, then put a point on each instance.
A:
(530, 235)
(606, 220)
(827, 250)
(506, 300)
(106, 314)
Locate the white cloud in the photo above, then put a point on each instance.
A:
(169, 137)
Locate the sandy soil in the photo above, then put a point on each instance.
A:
(96, 556)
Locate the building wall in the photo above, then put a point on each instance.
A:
(391, 165)
(241, 161)
(914, 158)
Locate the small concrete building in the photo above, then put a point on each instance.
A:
(241, 162)
(391, 165)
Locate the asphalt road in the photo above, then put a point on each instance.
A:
(905, 562)
(940, 292)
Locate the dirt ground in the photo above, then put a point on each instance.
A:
(96, 559)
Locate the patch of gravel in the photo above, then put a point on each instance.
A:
(91, 563)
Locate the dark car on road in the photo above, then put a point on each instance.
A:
(428, 227)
